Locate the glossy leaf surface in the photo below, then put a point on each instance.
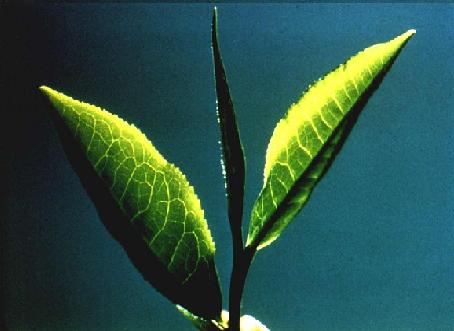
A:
(144, 201)
(232, 150)
(305, 142)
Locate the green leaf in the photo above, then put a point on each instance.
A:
(144, 201)
(305, 142)
(202, 324)
(233, 156)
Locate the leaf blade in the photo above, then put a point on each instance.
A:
(145, 202)
(232, 149)
(306, 140)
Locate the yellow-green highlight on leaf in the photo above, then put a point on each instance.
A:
(219, 324)
(159, 207)
(305, 142)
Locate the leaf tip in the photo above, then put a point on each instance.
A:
(45, 89)
(214, 17)
(409, 33)
(404, 37)
(51, 94)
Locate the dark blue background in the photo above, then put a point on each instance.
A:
(372, 250)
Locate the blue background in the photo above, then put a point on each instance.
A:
(372, 250)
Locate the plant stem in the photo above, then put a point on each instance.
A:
(242, 258)
(236, 283)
